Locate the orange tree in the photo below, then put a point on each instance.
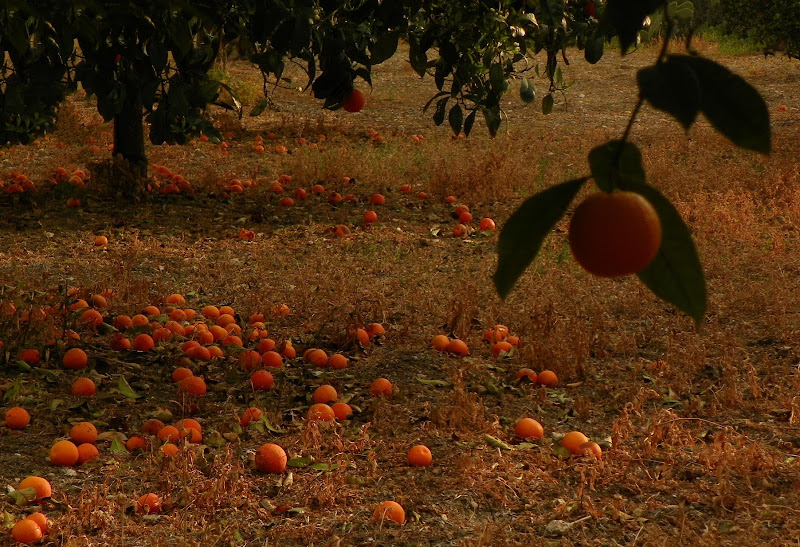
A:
(149, 61)
(773, 23)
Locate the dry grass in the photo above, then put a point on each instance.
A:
(699, 427)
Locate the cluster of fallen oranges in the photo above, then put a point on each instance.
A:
(19, 183)
(207, 334)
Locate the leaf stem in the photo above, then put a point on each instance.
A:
(638, 106)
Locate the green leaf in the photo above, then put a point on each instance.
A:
(492, 118)
(671, 87)
(267, 424)
(613, 168)
(322, 466)
(732, 106)
(594, 47)
(436, 383)
(117, 445)
(497, 76)
(526, 91)
(430, 101)
(22, 497)
(676, 274)
(126, 389)
(260, 106)
(417, 57)
(524, 232)
(627, 17)
(456, 118)
(106, 328)
(469, 122)
(547, 104)
(300, 462)
(438, 115)
(383, 48)
(495, 442)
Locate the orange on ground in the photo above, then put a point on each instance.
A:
(573, 440)
(169, 449)
(119, 342)
(337, 361)
(374, 329)
(591, 448)
(420, 456)
(143, 342)
(210, 312)
(487, 224)
(26, 531)
(502, 347)
(139, 320)
(440, 342)
(83, 432)
(87, 452)
(325, 394)
(377, 199)
(75, 358)
(199, 352)
(250, 415)
(64, 453)
(123, 322)
(232, 340)
(262, 380)
(249, 360)
(528, 428)
(459, 347)
(151, 310)
(265, 345)
(169, 433)
(30, 356)
(321, 411)
(614, 234)
(527, 373)
(193, 385)
(318, 357)
(189, 423)
(547, 378)
(40, 519)
(17, 418)
(381, 388)
(176, 299)
(370, 217)
(272, 359)
(389, 510)
(152, 426)
(136, 443)
(41, 485)
(149, 503)
(363, 337)
(271, 458)
(180, 373)
(342, 411)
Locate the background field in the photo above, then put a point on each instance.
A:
(699, 427)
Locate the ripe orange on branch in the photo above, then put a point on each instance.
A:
(614, 234)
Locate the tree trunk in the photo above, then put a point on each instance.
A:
(129, 133)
